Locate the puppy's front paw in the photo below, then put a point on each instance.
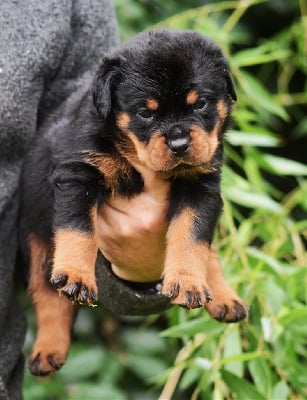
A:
(185, 291)
(77, 287)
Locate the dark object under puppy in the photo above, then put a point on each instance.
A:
(162, 100)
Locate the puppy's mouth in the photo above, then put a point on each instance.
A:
(172, 153)
(187, 170)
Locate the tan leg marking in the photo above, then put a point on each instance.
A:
(54, 315)
(185, 270)
(225, 306)
(74, 261)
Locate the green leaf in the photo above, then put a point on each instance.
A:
(279, 267)
(257, 55)
(190, 328)
(252, 200)
(232, 347)
(93, 391)
(281, 391)
(83, 363)
(260, 96)
(262, 376)
(283, 166)
(240, 357)
(146, 367)
(240, 388)
(298, 315)
(241, 138)
(140, 341)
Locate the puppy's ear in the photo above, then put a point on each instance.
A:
(230, 85)
(103, 85)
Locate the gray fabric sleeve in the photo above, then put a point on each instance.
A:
(44, 46)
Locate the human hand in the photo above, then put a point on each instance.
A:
(131, 232)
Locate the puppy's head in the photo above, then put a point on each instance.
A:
(169, 94)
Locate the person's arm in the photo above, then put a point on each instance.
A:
(93, 31)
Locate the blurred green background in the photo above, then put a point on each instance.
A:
(261, 237)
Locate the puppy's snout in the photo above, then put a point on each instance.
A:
(178, 141)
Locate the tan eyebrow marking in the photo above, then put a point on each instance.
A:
(123, 121)
(152, 104)
(192, 97)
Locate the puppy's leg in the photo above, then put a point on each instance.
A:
(225, 306)
(73, 272)
(75, 241)
(185, 270)
(54, 315)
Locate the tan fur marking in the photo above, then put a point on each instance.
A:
(38, 255)
(152, 104)
(193, 267)
(75, 254)
(222, 109)
(54, 314)
(155, 155)
(123, 121)
(203, 146)
(192, 97)
(111, 166)
(186, 260)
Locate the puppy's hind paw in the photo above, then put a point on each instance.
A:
(42, 364)
(232, 311)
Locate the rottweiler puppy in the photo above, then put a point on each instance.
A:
(163, 100)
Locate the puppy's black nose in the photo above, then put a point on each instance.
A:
(178, 142)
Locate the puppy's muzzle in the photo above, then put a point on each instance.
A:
(178, 141)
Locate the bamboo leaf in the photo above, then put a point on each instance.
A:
(259, 95)
(241, 138)
(190, 328)
(283, 166)
(241, 388)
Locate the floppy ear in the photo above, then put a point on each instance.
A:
(103, 85)
(230, 85)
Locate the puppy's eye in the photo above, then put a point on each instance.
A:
(201, 104)
(144, 113)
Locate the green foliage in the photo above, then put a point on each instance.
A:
(261, 237)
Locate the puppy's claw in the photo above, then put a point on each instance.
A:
(83, 295)
(35, 367)
(208, 295)
(79, 293)
(174, 292)
(58, 281)
(198, 299)
(54, 364)
(223, 313)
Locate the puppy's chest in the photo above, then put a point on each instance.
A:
(118, 176)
